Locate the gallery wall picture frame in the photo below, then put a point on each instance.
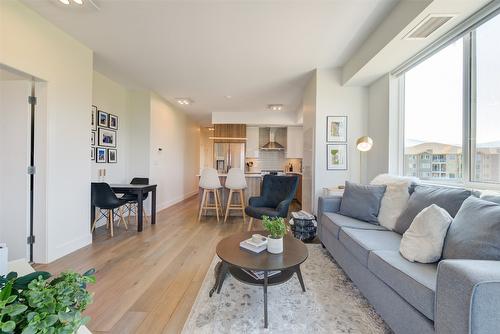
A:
(102, 118)
(112, 156)
(92, 153)
(106, 137)
(113, 122)
(101, 155)
(92, 138)
(93, 120)
(336, 129)
(336, 156)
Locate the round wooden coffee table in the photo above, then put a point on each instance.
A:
(235, 259)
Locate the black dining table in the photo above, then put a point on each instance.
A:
(136, 189)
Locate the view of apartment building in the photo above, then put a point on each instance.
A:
(429, 161)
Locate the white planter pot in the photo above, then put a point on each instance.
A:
(274, 246)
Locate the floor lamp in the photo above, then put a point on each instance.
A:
(363, 144)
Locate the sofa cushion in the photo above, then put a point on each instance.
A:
(415, 282)
(450, 199)
(423, 241)
(333, 222)
(395, 198)
(362, 201)
(491, 198)
(474, 234)
(361, 242)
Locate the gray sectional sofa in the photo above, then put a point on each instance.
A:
(453, 296)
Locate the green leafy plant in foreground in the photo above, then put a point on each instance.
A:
(36, 304)
(275, 226)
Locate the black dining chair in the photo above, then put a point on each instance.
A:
(104, 198)
(132, 198)
(277, 192)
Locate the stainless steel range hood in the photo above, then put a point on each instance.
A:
(272, 145)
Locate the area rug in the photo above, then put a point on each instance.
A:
(331, 304)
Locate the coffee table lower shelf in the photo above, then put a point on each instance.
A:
(222, 269)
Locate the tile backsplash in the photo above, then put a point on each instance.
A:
(273, 160)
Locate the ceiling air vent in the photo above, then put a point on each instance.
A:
(428, 25)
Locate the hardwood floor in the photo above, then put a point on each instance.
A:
(147, 282)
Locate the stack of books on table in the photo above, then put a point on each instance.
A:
(253, 246)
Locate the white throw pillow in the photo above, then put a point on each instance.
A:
(395, 198)
(423, 241)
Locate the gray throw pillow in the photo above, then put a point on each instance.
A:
(362, 202)
(474, 234)
(450, 199)
(491, 198)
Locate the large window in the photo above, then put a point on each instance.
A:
(486, 103)
(451, 106)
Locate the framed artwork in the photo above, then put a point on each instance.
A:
(336, 129)
(93, 121)
(92, 153)
(100, 155)
(102, 118)
(92, 138)
(113, 122)
(106, 137)
(112, 155)
(336, 156)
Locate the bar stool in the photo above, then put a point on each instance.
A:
(210, 183)
(235, 182)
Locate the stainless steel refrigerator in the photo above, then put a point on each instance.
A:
(229, 155)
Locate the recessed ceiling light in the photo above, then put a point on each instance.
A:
(80, 2)
(66, 2)
(275, 107)
(184, 100)
(228, 96)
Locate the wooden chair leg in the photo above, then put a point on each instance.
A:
(110, 218)
(242, 205)
(250, 224)
(92, 229)
(144, 214)
(122, 212)
(228, 204)
(203, 196)
(216, 204)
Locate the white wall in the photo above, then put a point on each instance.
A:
(14, 182)
(31, 44)
(174, 168)
(139, 116)
(333, 99)
(309, 125)
(112, 98)
(378, 127)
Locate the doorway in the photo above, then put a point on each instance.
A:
(18, 110)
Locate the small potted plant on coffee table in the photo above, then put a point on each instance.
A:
(277, 229)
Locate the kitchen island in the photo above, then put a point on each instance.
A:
(254, 181)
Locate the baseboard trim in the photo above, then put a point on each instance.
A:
(69, 247)
(172, 202)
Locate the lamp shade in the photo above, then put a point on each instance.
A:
(364, 144)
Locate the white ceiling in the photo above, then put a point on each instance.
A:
(259, 52)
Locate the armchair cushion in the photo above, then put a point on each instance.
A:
(258, 212)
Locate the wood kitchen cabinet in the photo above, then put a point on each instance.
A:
(234, 133)
(294, 142)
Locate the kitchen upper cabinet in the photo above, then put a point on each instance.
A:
(252, 150)
(294, 142)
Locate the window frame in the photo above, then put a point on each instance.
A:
(468, 118)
